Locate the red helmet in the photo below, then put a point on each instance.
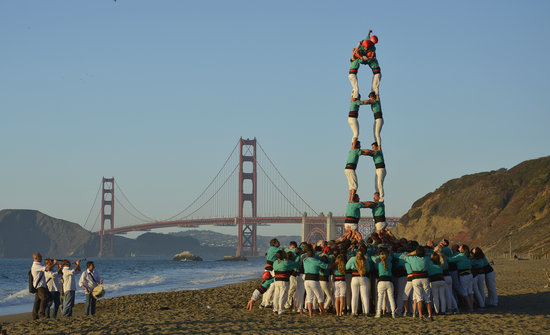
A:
(370, 54)
(266, 275)
(374, 39)
(367, 44)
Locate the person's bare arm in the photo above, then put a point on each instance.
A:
(367, 152)
(369, 204)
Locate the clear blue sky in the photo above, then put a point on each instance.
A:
(156, 93)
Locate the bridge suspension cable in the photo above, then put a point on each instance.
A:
(131, 204)
(119, 203)
(207, 187)
(93, 205)
(278, 189)
(284, 179)
(217, 191)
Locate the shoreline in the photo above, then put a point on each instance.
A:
(523, 307)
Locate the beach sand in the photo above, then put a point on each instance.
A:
(524, 308)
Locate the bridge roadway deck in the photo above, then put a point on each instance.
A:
(310, 220)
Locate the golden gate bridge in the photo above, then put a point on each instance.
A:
(248, 191)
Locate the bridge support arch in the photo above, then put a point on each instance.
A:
(107, 213)
(247, 232)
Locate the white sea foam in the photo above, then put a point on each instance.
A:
(19, 297)
(121, 286)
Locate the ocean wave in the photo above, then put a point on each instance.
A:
(222, 277)
(121, 286)
(19, 297)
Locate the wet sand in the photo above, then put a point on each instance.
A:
(524, 308)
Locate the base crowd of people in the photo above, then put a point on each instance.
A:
(376, 277)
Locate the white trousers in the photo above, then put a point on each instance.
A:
(385, 289)
(399, 284)
(467, 283)
(291, 293)
(408, 290)
(376, 82)
(340, 288)
(300, 292)
(268, 296)
(280, 295)
(376, 129)
(479, 289)
(354, 125)
(360, 286)
(492, 296)
(379, 182)
(326, 287)
(348, 290)
(439, 296)
(421, 289)
(355, 86)
(313, 290)
(449, 296)
(352, 179)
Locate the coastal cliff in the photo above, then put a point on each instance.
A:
(487, 209)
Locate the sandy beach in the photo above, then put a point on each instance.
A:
(524, 308)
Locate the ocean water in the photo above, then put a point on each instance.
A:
(123, 276)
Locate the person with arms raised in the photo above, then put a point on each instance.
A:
(42, 295)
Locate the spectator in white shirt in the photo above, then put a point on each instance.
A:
(42, 294)
(69, 286)
(88, 280)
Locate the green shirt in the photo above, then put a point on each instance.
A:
(312, 265)
(476, 263)
(418, 264)
(375, 107)
(291, 250)
(379, 209)
(284, 266)
(353, 209)
(352, 265)
(381, 270)
(354, 106)
(378, 157)
(267, 283)
(271, 253)
(434, 269)
(462, 262)
(353, 156)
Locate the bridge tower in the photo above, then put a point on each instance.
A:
(247, 232)
(107, 213)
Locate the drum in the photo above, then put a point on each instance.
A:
(98, 292)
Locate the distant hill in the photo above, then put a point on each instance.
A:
(483, 209)
(23, 232)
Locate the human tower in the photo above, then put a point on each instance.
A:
(365, 53)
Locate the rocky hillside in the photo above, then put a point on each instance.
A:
(487, 209)
(23, 232)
